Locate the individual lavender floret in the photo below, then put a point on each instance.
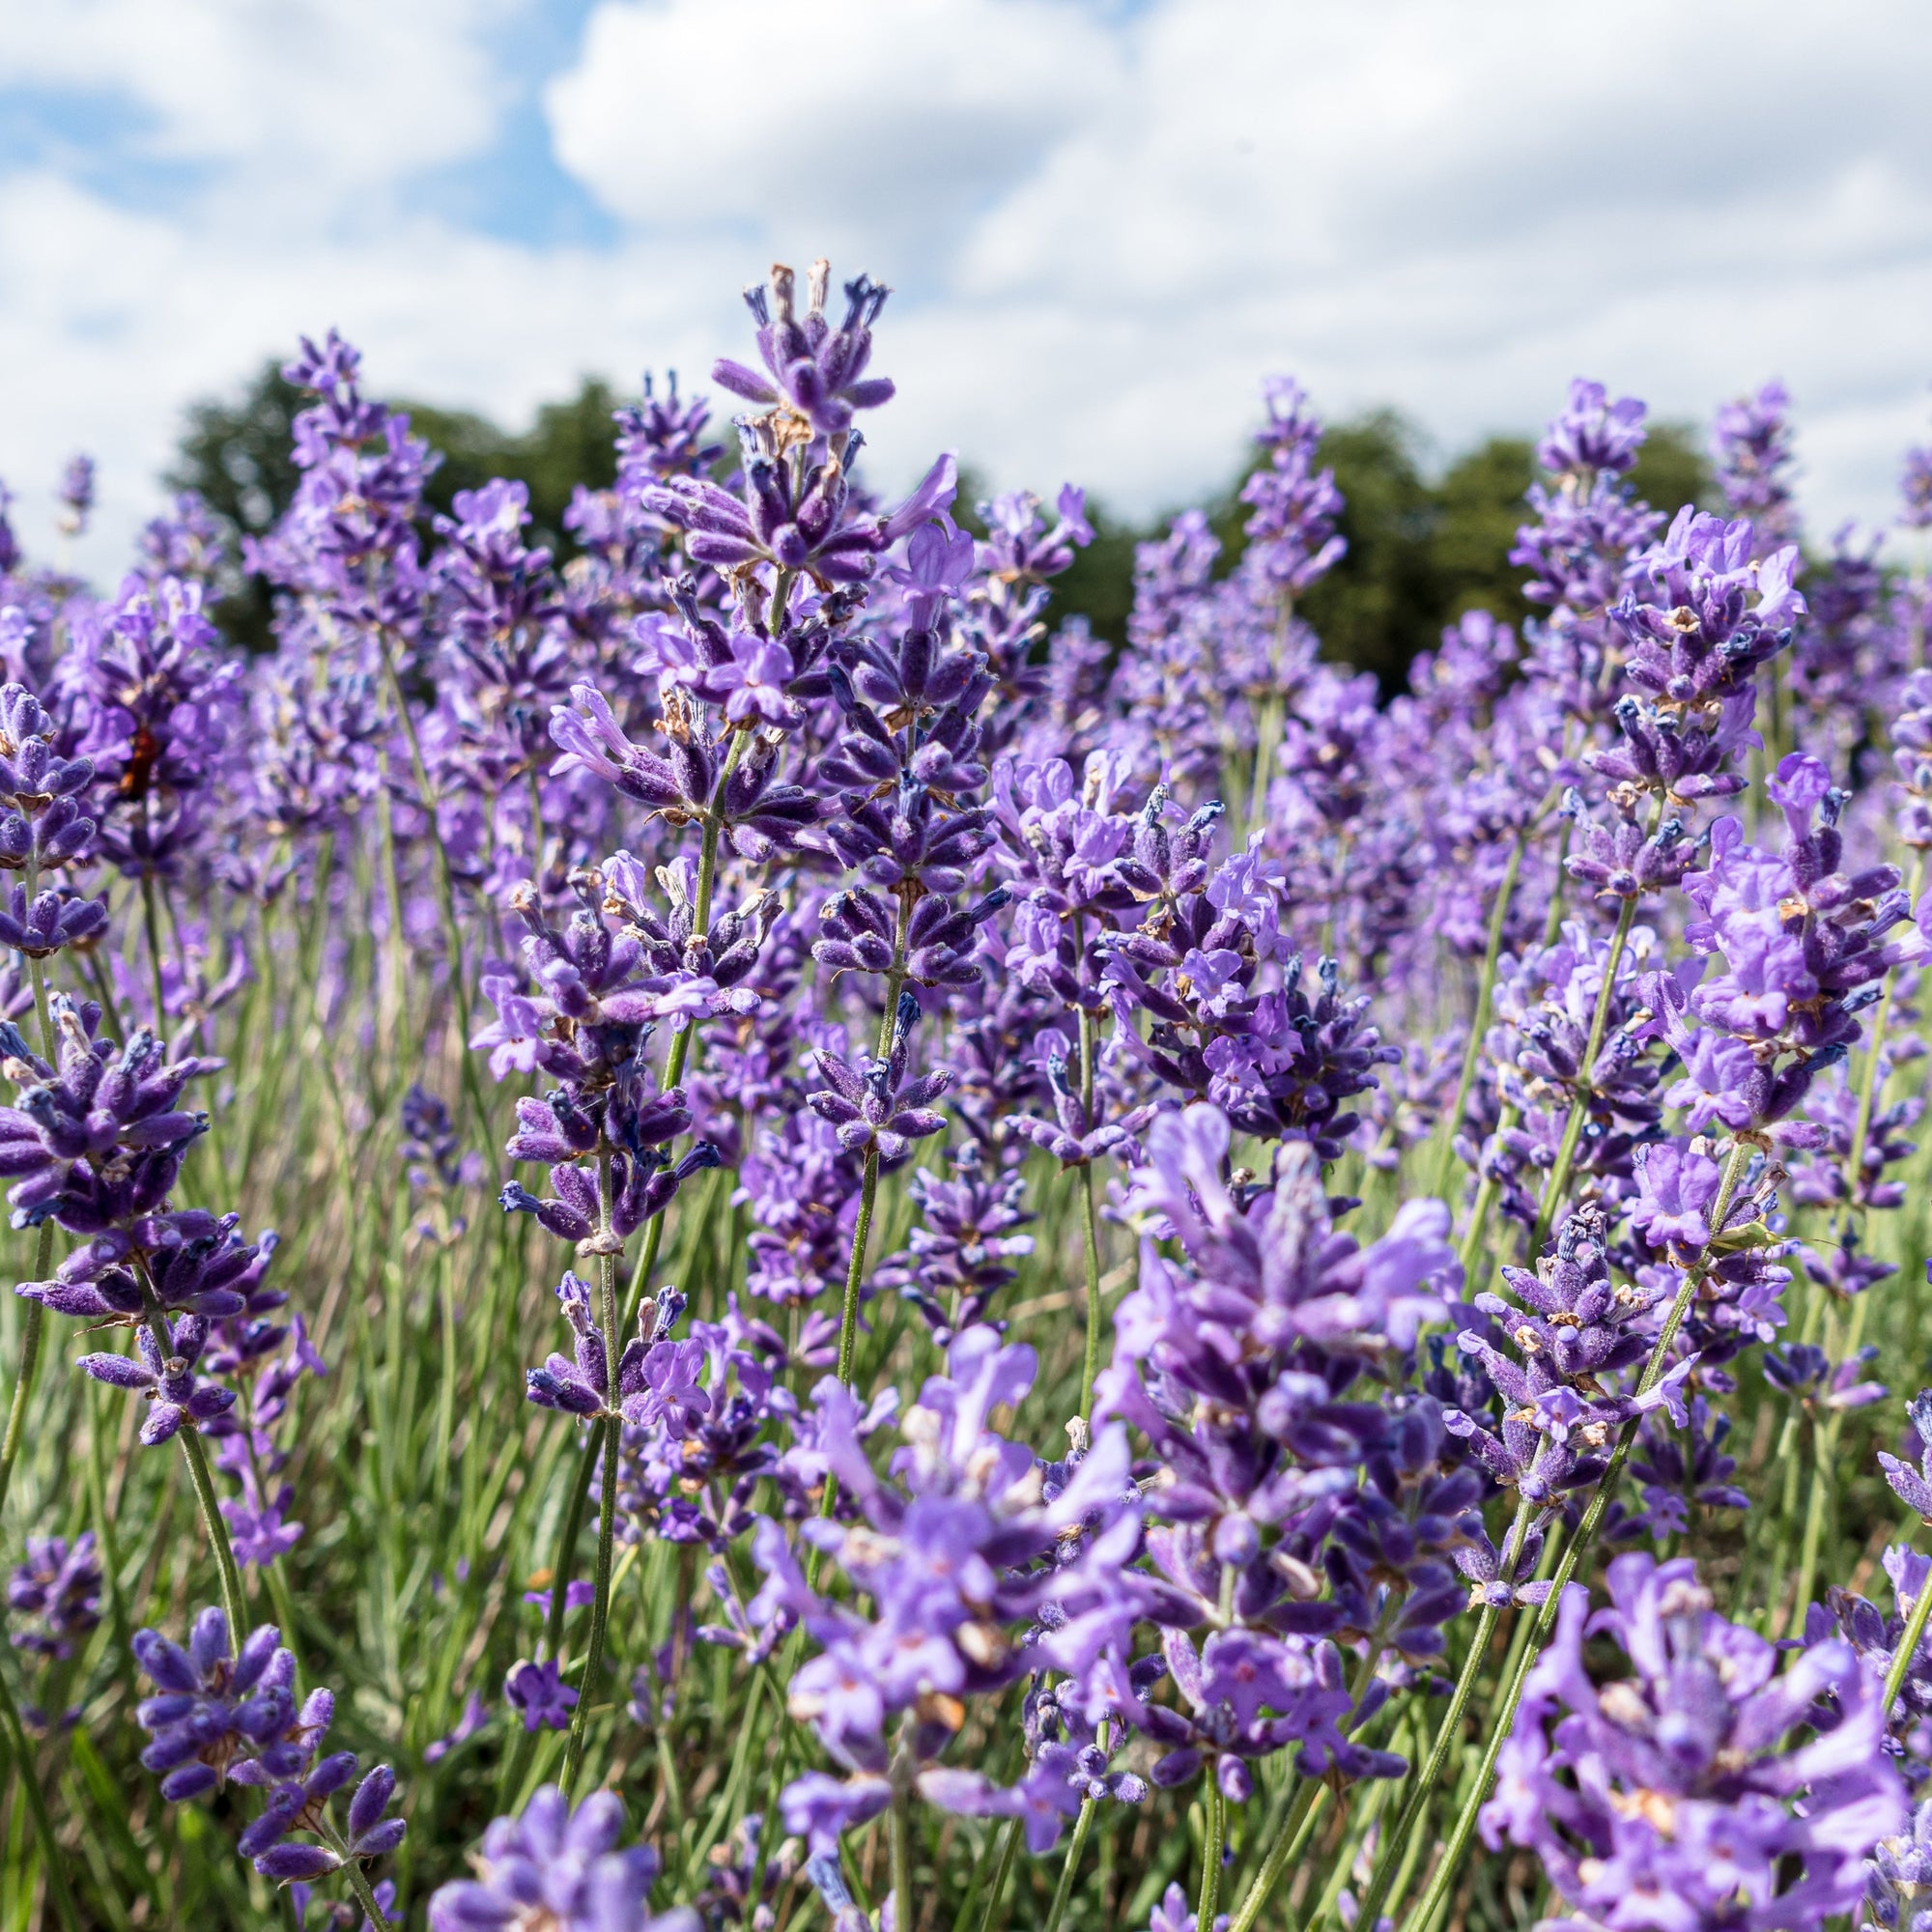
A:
(101, 1140)
(1805, 1372)
(1233, 1362)
(155, 706)
(184, 541)
(1912, 760)
(695, 1441)
(1173, 1914)
(1073, 1136)
(559, 1869)
(539, 1693)
(439, 1166)
(1675, 1468)
(1901, 1871)
(300, 1805)
(796, 513)
(1915, 489)
(56, 1592)
(1703, 1790)
(1876, 1635)
(1695, 634)
(1913, 1487)
(1292, 525)
(758, 815)
(742, 1886)
(1805, 944)
(1393, 1542)
(474, 1717)
(973, 1536)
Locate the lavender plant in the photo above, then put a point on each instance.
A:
(1132, 1287)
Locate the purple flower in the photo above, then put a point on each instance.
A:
(57, 1592)
(813, 369)
(558, 1869)
(1593, 433)
(177, 1397)
(1913, 1487)
(1676, 1188)
(538, 1691)
(876, 1108)
(475, 1715)
(214, 1710)
(1173, 1914)
(1703, 1777)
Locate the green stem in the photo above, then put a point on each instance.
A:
(1062, 1892)
(868, 1186)
(1558, 1184)
(1485, 1199)
(52, 1858)
(1090, 1366)
(608, 1247)
(1008, 1852)
(1908, 1645)
(445, 886)
(1486, 987)
(1446, 1735)
(30, 1362)
(536, 828)
(904, 1910)
(1824, 1446)
(151, 919)
(1215, 1840)
(365, 1897)
(1552, 923)
(1297, 1828)
(232, 1600)
(855, 1269)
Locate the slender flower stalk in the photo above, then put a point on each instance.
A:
(609, 1248)
(1089, 1228)
(1558, 1186)
(1448, 1734)
(1485, 988)
(53, 1859)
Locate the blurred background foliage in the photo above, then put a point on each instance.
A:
(1426, 541)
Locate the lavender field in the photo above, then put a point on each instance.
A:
(747, 1234)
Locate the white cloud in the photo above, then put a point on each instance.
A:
(334, 94)
(1103, 225)
(881, 128)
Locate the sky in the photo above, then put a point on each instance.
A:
(1104, 220)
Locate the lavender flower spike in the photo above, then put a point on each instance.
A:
(560, 1870)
